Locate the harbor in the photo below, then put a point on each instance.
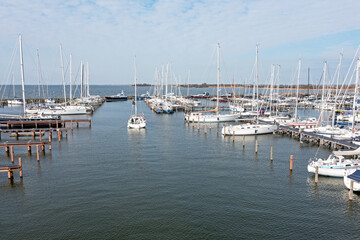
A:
(206, 177)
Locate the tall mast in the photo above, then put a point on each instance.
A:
(81, 79)
(39, 72)
(22, 74)
(355, 92)
(297, 88)
(13, 83)
(218, 77)
(323, 92)
(88, 79)
(256, 80)
(63, 72)
(277, 90)
(70, 78)
(337, 87)
(271, 85)
(308, 86)
(135, 84)
(166, 82)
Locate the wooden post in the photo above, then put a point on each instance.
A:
(40, 135)
(351, 190)
(291, 162)
(50, 147)
(20, 171)
(17, 135)
(50, 136)
(244, 141)
(72, 127)
(33, 133)
(205, 130)
(77, 124)
(256, 146)
(58, 132)
(198, 125)
(89, 123)
(7, 149)
(271, 154)
(233, 136)
(12, 153)
(37, 153)
(29, 148)
(316, 174)
(10, 174)
(193, 123)
(43, 147)
(57, 124)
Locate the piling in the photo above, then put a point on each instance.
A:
(29, 149)
(271, 154)
(193, 123)
(351, 192)
(291, 162)
(316, 174)
(233, 136)
(205, 130)
(198, 125)
(12, 154)
(244, 141)
(50, 136)
(40, 135)
(37, 153)
(256, 146)
(20, 171)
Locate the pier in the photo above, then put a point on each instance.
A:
(11, 168)
(315, 138)
(37, 123)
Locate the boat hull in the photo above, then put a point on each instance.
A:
(244, 129)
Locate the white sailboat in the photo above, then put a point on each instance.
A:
(136, 121)
(250, 129)
(204, 116)
(352, 175)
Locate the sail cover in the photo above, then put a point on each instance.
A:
(355, 176)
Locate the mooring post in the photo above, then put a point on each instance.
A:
(89, 123)
(20, 170)
(37, 153)
(29, 148)
(12, 153)
(17, 135)
(50, 136)
(291, 162)
(72, 127)
(256, 146)
(316, 174)
(351, 190)
(193, 123)
(233, 136)
(7, 149)
(40, 135)
(198, 123)
(10, 174)
(205, 130)
(244, 141)
(33, 133)
(271, 154)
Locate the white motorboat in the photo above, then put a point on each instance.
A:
(247, 129)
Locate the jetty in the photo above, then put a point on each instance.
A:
(315, 138)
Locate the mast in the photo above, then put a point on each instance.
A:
(355, 92)
(70, 78)
(39, 71)
(166, 82)
(22, 74)
(256, 79)
(13, 83)
(337, 88)
(271, 85)
(63, 72)
(297, 88)
(323, 92)
(308, 88)
(87, 79)
(135, 85)
(277, 90)
(81, 78)
(218, 77)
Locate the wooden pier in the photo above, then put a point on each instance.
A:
(315, 138)
(36, 123)
(11, 168)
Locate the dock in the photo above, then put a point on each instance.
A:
(315, 138)
(11, 168)
(44, 123)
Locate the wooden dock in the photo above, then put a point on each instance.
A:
(11, 168)
(36, 123)
(316, 138)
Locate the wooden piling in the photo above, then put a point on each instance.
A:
(43, 147)
(351, 192)
(20, 170)
(72, 127)
(244, 141)
(205, 130)
(37, 153)
(12, 154)
(40, 135)
(271, 154)
(233, 136)
(50, 136)
(291, 162)
(29, 149)
(256, 146)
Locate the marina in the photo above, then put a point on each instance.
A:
(203, 176)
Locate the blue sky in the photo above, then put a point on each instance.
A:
(108, 33)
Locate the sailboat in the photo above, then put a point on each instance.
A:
(136, 121)
(217, 117)
(250, 129)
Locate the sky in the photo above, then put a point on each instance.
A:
(107, 34)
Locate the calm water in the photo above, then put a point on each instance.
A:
(171, 181)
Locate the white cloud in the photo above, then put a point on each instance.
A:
(107, 33)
